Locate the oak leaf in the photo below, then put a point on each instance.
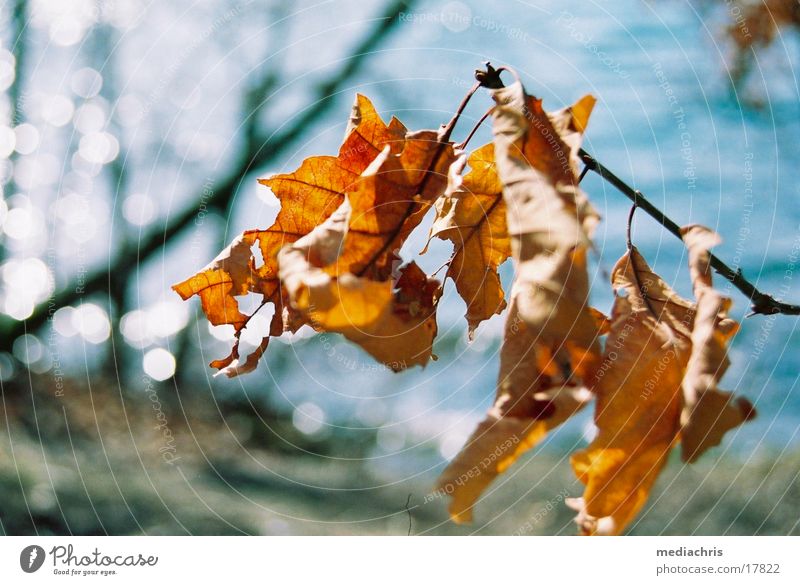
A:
(550, 219)
(551, 343)
(346, 275)
(535, 393)
(389, 200)
(393, 320)
(472, 215)
(708, 413)
(308, 196)
(229, 275)
(638, 391)
(317, 188)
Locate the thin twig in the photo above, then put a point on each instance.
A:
(761, 303)
(408, 501)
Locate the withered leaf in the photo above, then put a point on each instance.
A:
(472, 215)
(638, 390)
(551, 339)
(550, 220)
(393, 320)
(314, 191)
(708, 413)
(342, 276)
(536, 392)
(229, 275)
(389, 200)
(308, 196)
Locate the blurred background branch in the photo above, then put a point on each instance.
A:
(261, 146)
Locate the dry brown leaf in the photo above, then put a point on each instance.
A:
(343, 275)
(314, 191)
(638, 390)
(308, 196)
(535, 394)
(229, 275)
(394, 321)
(536, 154)
(389, 200)
(708, 413)
(472, 215)
(550, 220)
(551, 338)
(403, 336)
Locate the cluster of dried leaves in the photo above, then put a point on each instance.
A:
(331, 261)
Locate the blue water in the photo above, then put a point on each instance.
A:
(666, 121)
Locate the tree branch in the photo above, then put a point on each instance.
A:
(16, 91)
(762, 304)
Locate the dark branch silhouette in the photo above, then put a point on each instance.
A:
(762, 303)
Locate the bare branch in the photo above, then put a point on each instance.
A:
(16, 91)
(762, 304)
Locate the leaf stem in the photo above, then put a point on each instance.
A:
(628, 228)
(472, 132)
(447, 131)
(631, 248)
(445, 265)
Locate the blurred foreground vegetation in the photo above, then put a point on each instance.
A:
(92, 462)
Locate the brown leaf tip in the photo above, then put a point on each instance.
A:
(747, 409)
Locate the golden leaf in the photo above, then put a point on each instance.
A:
(708, 413)
(308, 196)
(535, 394)
(551, 344)
(472, 215)
(229, 275)
(550, 219)
(389, 200)
(314, 191)
(638, 390)
(394, 321)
